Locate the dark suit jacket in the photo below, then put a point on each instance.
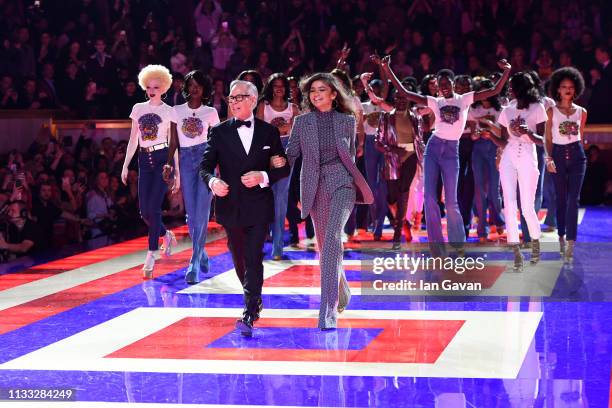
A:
(243, 206)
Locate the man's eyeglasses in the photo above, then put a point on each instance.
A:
(237, 98)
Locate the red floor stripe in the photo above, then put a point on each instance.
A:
(409, 341)
(43, 271)
(22, 315)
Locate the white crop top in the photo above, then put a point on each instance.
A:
(566, 129)
(277, 118)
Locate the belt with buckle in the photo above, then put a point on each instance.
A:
(154, 147)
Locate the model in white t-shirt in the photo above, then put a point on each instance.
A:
(486, 174)
(521, 127)
(565, 157)
(151, 127)
(442, 153)
(193, 119)
(276, 109)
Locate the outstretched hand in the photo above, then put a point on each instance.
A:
(503, 64)
(345, 51)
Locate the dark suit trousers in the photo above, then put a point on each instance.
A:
(246, 246)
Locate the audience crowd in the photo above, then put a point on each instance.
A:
(82, 57)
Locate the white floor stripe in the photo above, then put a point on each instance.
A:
(69, 279)
(489, 345)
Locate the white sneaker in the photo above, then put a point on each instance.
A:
(169, 241)
(149, 263)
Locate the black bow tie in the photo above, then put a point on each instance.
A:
(240, 123)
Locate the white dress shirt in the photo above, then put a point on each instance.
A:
(246, 137)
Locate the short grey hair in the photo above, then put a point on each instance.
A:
(250, 88)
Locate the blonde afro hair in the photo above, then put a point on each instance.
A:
(158, 72)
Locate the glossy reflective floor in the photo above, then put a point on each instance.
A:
(89, 323)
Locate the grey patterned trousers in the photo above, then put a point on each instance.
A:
(330, 211)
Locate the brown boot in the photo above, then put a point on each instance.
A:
(569, 251)
(518, 258)
(562, 247)
(535, 251)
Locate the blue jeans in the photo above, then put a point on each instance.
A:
(197, 199)
(442, 157)
(374, 160)
(570, 162)
(151, 191)
(281, 198)
(486, 184)
(538, 197)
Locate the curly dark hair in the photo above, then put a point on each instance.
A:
(570, 73)
(257, 81)
(345, 102)
(424, 87)
(201, 79)
(268, 92)
(493, 100)
(524, 89)
(465, 79)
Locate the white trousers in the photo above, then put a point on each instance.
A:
(417, 194)
(519, 162)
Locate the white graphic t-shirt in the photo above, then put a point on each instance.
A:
(153, 123)
(451, 114)
(192, 125)
(512, 118)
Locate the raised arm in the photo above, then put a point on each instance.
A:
(385, 65)
(487, 93)
(375, 99)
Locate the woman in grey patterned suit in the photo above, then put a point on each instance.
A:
(330, 183)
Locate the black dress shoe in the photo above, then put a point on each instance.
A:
(259, 309)
(245, 325)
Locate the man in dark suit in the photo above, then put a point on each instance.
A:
(601, 97)
(244, 149)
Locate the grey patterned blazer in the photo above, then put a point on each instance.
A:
(303, 140)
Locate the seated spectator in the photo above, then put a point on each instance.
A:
(47, 213)
(22, 235)
(131, 96)
(594, 178)
(70, 87)
(175, 93)
(93, 103)
(9, 97)
(48, 85)
(99, 207)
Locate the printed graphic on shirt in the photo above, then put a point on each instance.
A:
(192, 127)
(569, 128)
(515, 124)
(449, 113)
(278, 122)
(149, 126)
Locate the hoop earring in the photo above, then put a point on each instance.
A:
(336, 104)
